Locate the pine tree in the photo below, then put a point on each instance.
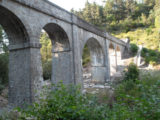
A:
(87, 12)
(157, 14)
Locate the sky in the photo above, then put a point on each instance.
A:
(76, 4)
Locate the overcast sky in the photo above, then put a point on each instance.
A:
(76, 4)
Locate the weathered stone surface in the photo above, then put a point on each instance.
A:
(23, 21)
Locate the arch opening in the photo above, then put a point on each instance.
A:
(112, 57)
(119, 59)
(59, 54)
(94, 67)
(14, 28)
(17, 74)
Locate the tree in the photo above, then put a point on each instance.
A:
(3, 60)
(130, 7)
(46, 50)
(87, 14)
(157, 14)
(3, 40)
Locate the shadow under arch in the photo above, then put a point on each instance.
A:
(112, 57)
(111, 46)
(19, 58)
(13, 26)
(119, 54)
(119, 59)
(58, 36)
(97, 56)
(61, 54)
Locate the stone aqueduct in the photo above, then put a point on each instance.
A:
(23, 21)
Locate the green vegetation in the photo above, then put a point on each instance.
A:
(3, 61)
(3, 71)
(137, 20)
(132, 73)
(148, 37)
(121, 15)
(134, 99)
(140, 99)
(134, 49)
(151, 56)
(66, 103)
(46, 54)
(86, 56)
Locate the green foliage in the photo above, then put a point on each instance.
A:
(132, 73)
(142, 99)
(86, 56)
(3, 40)
(151, 56)
(66, 103)
(3, 70)
(157, 14)
(3, 60)
(148, 37)
(46, 55)
(138, 100)
(144, 52)
(47, 69)
(46, 50)
(119, 15)
(134, 49)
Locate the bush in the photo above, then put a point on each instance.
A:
(142, 100)
(153, 63)
(151, 56)
(47, 69)
(86, 56)
(3, 70)
(66, 103)
(144, 52)
(134, 101)
(134, 49)
(2, 86)
(132, 73)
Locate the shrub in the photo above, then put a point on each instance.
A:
(143, 98)
(134, 49)
(2, 86)
(144, 52)
(134, 101)
(3, 70)
(152, 53)
(132, 73)
(153, 63)
(47, 69)
(151, 56)
(86, 56)
(66, 103)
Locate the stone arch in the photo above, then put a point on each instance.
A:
(97, 60)
(61, 54)
(96, 51)
(58, 36)
(19, 58)
(13, 26)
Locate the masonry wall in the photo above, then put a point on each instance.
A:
(25, 66)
